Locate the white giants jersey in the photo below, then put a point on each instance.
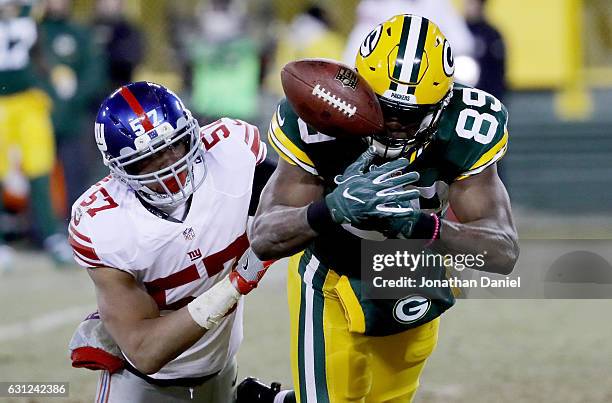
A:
(178, 261)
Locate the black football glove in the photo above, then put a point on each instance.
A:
(419, 225)
(366, 196)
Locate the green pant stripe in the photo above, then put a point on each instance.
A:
(319, 339)
(311, 337)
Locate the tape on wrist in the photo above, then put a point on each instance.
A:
(208, 309)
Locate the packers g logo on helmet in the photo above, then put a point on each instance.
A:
(407, 61)
(370, 42)
(449, 61)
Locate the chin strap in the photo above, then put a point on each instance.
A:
(161, 213)
(385, 151)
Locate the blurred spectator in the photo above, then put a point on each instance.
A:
(183, 29)
(75, 76)
(370, 13)
(224, 60)
(120, 40)
(310, 34)
(490, 58)
(489, 50)
(26, 132)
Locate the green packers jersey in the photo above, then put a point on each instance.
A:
(471, 136)
(17, 37)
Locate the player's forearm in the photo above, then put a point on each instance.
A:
(152, 343)
(280, 232)
(499, 241)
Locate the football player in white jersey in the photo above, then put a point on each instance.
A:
(162, 239)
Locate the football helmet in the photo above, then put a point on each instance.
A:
(137, 123)
(409, 64)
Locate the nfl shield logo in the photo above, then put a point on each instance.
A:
(189, 234)
(347, 78)
(77, 216)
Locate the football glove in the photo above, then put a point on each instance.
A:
(368, 194)
(416, 226)
(247, 273)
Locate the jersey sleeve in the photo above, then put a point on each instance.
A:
(236, 135)
(253, 141)
(284, 136)
(475, 128)
(83, 249)
(94, 235)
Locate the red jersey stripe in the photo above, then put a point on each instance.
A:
(86, 251)
(174, 280)
(214, 263)
(247, 134)
(87, 262)
(256, 141)
(79, 235)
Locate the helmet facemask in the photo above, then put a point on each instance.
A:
(176, 181)
(421, 120)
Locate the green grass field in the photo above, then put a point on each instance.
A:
(488, 351)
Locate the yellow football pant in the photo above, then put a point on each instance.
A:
(25, 124)
(332, 364)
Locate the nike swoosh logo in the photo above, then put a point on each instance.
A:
(347, 195)
(281, 121)
(340, 182)
(245, 265)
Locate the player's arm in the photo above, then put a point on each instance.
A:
(482, 206)
(132, 318)
(281, 227)
(292, 210)
(149, 340)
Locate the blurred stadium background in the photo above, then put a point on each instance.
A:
(558, 171)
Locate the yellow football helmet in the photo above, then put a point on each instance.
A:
(409, 64)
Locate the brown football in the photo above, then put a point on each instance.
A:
(332, 97)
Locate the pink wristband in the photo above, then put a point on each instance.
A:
(436, 233)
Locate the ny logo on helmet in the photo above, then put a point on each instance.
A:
(100, 140)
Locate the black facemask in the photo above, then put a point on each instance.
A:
(408, 127)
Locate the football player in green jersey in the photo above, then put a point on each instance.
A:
(449, 136)
(25, 123)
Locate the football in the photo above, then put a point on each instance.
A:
(332, 97)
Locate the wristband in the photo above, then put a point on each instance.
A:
(426, 227)
(436, 234)
(208, 309)
(319, 217)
